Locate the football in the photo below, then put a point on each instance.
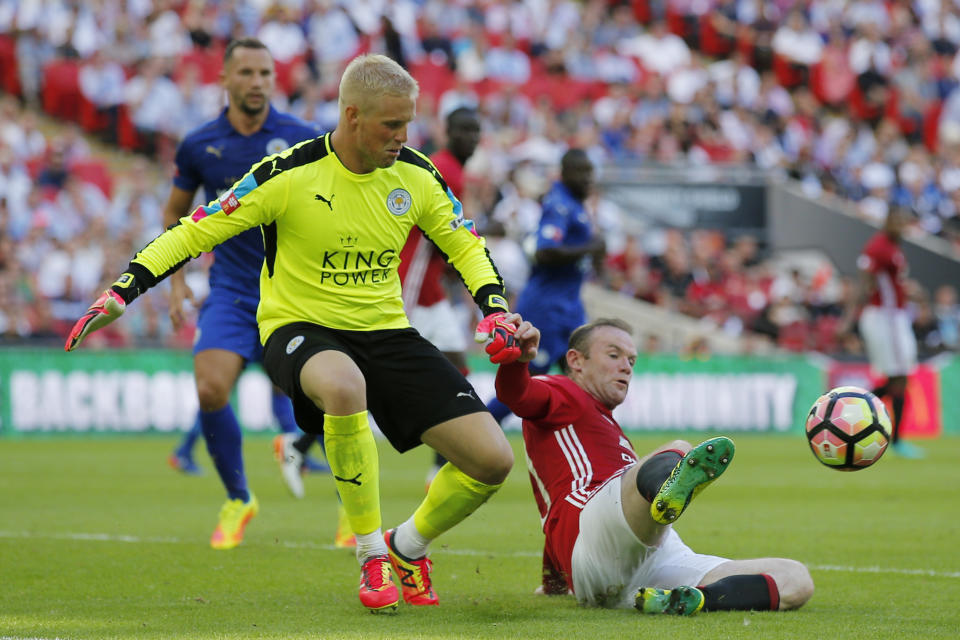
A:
(848, 428)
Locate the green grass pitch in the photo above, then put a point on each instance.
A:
(99, 539)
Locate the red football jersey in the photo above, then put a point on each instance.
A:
(574, 446)
(451, 170)
(885, 260)
(421, 265)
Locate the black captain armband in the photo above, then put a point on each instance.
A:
(491, 299)
(134, 281)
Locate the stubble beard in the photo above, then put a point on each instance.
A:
(251, 111)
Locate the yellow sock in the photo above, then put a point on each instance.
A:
(453, 496)
(352, 454)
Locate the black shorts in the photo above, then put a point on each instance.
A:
(411, 386)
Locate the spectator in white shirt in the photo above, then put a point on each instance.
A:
(283, 35)
(102, 81)
(15, 187)
(870, 51)
(332, 37)
(168, 37)
(507, 63)
(797, 42)
(658, 51)
(154, 100)
(736, 81)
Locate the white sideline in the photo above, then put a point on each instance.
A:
(107, 537)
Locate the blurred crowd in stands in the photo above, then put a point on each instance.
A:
(856, 98)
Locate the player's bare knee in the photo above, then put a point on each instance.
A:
(501, 469)
(340, 396)
(494, 467)
(336, 387)
(212, 394)
(334, 383)
(794, 583)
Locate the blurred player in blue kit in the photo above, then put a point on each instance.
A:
(215, 156)
(566, 243)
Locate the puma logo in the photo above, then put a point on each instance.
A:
(329, 202)
(466, 394)
(216, 151)
(353, 480)
(274, 168)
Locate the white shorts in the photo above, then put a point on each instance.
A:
(440, 324)
(888, 337)
(610, 564)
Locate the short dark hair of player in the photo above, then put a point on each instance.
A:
(895, 222)
(246, 43)
(463, 133)
(461, 112)
(576, 172)
(581, 336)
(573, 156)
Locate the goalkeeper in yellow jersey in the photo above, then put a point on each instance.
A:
(335, 212)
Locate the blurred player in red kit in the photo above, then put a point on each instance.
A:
(885, 324)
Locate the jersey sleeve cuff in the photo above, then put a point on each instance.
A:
(134, 281)
(491, 299)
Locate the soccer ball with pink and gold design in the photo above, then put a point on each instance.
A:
(848, 428)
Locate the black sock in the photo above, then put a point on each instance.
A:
(655, 471)
(304, 442)
(757, 592)
(897, 401)
(880, 391)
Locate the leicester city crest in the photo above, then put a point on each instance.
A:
(276, 145)
(399, 201)
(293, 344)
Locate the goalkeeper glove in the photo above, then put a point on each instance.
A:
(502, 345)
(109, 306)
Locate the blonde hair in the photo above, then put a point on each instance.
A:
(369, 76)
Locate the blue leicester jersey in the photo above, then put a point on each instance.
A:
(215, 156)
(563, 223)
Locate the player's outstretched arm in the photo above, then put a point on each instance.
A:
(243, 207)
(163, 256)
(108, 307)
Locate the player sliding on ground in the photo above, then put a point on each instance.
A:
(335, 213)
(608, 514)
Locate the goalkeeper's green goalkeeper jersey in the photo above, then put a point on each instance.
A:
(332, 237)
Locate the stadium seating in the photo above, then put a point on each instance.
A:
(127, 135)
(61, 89)
(94, 171)
(565, 96)
(712, 42)
(9, 69)
(789, 74)
(434, 79)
